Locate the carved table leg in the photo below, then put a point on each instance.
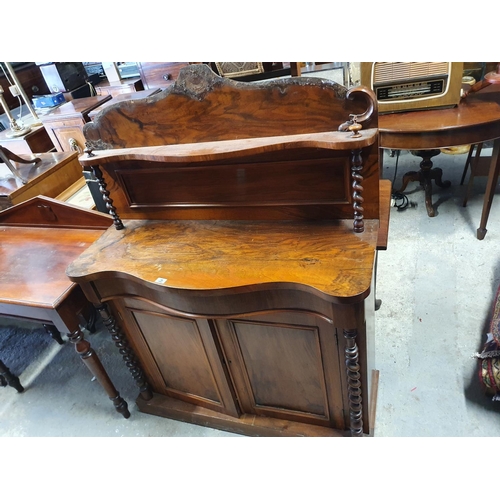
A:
(425, 175)
(9, 378)
(93, 363)
(126, 351)
(54, 333)
(354, 383)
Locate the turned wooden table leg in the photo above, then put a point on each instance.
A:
(425, 175)
(9, 378)
(126, 351)
(93, 363)
(490, 189)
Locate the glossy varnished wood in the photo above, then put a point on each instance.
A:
(304, 176)
(123, 96)
(202, 107)
(64, 124)
(55, 173)
(159, 74)
(75, 108)
(37, 140)
(475, 120)
(39, 238)
(243, 267)
(210, 255)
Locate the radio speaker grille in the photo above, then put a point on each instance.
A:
(390, 71)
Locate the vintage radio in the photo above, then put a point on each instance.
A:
(404, 86)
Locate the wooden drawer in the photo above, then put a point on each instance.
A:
(64, 125)
(123, 87)
(67, 135)
(159, 74)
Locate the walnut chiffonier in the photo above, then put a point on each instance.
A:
(238, 277)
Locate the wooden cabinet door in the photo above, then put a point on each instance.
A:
(179, 355)
(285, 365)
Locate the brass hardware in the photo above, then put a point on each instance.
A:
(73, 144)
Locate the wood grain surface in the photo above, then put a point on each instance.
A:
(201, 255)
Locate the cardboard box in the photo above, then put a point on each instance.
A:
(48, 100)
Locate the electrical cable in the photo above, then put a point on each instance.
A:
(400, 200)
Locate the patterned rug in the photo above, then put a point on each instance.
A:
(21, 344)
(489, 358)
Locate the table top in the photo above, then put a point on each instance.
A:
(75, 108)
(38, 239)
(475, 119)
(31, 172)
(34, 260)
(126, 96)
(220, 255)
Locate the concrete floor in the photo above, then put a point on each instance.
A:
(436, 282)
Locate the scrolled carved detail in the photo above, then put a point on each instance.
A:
(357, 190)
(126, 351)
(371, 101)
(354, 383)
(105, 196)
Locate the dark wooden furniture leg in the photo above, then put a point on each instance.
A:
(425, 175)
(93, 363)
(354, 383)
(126, 351)
(490, 189)
(54, 333)
(10, 379)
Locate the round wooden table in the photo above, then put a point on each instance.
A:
(475, 120)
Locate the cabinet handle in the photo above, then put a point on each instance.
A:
(73, 144)
(167, 76)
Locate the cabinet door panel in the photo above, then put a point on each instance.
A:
(285, 366)
(180, 357)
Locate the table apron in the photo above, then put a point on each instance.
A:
(437, 139)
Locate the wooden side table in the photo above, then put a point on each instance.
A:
(475, 120)
(40, 237)
(64, 124)
(35, 141)
(55, 173)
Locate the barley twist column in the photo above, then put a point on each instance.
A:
(357, 190)
(354, 383)
(125, 350)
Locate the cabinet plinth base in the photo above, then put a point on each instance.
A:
(249, 425)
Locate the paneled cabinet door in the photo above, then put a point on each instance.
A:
(178, 354)
(285, 365)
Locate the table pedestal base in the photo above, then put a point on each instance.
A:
(425, 175)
